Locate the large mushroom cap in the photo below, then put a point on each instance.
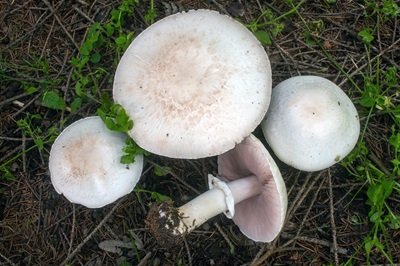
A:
(85, 164)
(311, 123)
(261, 217)
(194, 83)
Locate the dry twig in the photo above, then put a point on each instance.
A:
(333, 225)
(316, 193)
(187, 251)
(302, 194)
(143, 262)
(228, 241)
(7, 260)
(314, 241)
(53, 11)
(73, 253)
(37, 26)
(71, 241)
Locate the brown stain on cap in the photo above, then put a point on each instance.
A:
(186, 80)
(80, 158)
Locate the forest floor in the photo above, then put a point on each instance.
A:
(57, 59)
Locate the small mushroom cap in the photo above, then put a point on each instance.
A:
(311, 123)
(261, 217)
(85, 164)
(194, 83)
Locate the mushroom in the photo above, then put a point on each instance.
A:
(195, 83)
(311, 123)
(250, 190)
(85, 164)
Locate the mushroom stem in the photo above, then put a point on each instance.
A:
(215, 201)
(244, 188)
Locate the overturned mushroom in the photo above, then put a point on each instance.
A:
(250, 190)
(195, 83)
(85, 164)
(311, 123)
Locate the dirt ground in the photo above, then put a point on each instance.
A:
(327, 218)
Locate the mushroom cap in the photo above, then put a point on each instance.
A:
(85, 164)
(194, 83)
(311, 123)
(261, 217)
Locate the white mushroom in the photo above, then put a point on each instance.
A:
(251, 191)
(311, 123)
(85, 164)
(194, 83)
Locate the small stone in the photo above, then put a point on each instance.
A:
(206, 227)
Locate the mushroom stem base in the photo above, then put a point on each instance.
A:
(168, 224)
(161, 219)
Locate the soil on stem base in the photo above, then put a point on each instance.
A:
(162, 219)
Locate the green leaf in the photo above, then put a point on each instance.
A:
(316, 26)
(370, 87)
(129, 38)
(115, 17)
(109, 29)
(388, 186)
(161, 170)
(52, 100)
(39, 143)
(115, 118)
(368, 245)
(94, 31)
(130, 151)
(394, 141)
(378, 244)
(76, 104)
(366, 35)
(86, 48)
(127, 159)
(390, 8)
(371, 93)
(81, 85)
(277, 29)
(121, 117)
(159, 197)
(95, 58)
(121, 40)
(309, 39)
(391, 77)
(79, 62)
(30, 89)
(109, 122)
(374, 217)
(6, 174)
(359, 152)
(367, 101)
(396, 165)
(106, 102)
(150, 16)
(75, 61)
(263, 37)
(79, 88)
(374, 194)
(377, 193)
(394, 221)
